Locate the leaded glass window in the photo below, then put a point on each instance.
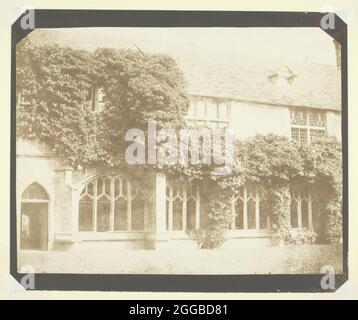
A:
(112, 203)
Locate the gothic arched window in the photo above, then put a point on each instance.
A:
(112, 203)
(182, 206)
(250, 209)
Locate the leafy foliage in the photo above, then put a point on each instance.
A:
(300, 237)
(56, 84)
(139, 88)
(219, 215)
(278, 165)
(324, 163)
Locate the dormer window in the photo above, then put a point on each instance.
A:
(95, 96)
(272, 77)
(282, 77)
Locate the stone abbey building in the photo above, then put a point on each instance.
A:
(59, 207)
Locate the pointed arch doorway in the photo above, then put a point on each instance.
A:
(34, 218)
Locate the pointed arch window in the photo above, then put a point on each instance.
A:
(34, 192)
(112, 203)
(302, 213)
(250, 209)
(182, 206)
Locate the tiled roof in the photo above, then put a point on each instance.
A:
(212, 73)
(313, 85)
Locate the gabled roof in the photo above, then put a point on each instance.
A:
(308, 84)
(213, 73)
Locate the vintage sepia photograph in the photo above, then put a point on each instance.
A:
(179, 151)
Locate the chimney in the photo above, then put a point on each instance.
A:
(337, 47)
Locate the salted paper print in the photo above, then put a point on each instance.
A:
(179, 151)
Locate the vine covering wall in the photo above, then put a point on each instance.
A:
(55, 82)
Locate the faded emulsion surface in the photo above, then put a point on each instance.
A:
(112, 229)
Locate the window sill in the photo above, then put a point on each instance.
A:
(249, 233)
(102, 236)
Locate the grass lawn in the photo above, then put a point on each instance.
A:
(275, 260)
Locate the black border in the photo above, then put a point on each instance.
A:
(178, 283)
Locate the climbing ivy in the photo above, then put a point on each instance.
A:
(54, 85)
(279, 165)
(56, 82)
(323, 168)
